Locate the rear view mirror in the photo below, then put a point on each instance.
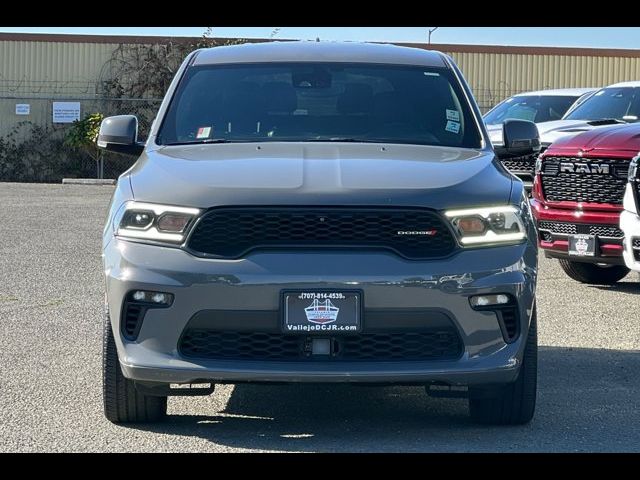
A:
(520, 138)
(120, 134)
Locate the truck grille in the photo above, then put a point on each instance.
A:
(561, 186)
(635, 245)
(558, 227)
(233, 345)
(525, 164)
(232, 232)
(565, 228)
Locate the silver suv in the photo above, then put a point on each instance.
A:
(312, 212)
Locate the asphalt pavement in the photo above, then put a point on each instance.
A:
(51, 297)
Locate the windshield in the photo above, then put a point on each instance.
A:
(535, 108)
(621, 103)
(319, 102)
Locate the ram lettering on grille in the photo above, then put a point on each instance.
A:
(593, 168)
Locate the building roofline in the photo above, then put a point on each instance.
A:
(444, 47)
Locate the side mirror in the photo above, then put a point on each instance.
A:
(520, 138)
(120, 134)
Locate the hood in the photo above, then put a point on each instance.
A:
(614, 138)
(549, 132)
(283, 173)
(553, 131)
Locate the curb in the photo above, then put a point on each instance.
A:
(88, 181)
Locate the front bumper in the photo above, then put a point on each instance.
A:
(556, 244)
(630, 225)
(254, 283)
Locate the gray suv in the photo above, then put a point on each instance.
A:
(319, 212)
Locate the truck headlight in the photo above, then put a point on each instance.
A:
(488, 225)
(154, 222)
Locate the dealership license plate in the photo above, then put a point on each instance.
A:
(582, 245)
(309, 311)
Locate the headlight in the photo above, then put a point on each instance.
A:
(633, 169)
(487, 226)
(157, 223)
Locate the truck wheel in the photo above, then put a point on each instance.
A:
(122, 402)
(515, 403)
(593, 273)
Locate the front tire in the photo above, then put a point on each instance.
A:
(515, 403)
(592, 273)
(122, 402)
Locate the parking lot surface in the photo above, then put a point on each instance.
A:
(51, 304)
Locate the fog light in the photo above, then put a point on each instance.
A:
(158, 298)
(139, 296)
(487, 300)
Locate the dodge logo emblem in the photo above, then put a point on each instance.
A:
(429, 233)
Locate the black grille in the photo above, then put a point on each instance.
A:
(558, 227)
(232, 232)
(509, 317)
(133, 314)
(546, 236)
(584, 187)
(605, 231)
(525, 164)
(565, 228)
(233, 345)
(635, 245)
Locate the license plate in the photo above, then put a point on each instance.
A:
(582, 245)
(321, 312)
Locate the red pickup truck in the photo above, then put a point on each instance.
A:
(577, 199)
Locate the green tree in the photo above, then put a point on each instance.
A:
(83, 135)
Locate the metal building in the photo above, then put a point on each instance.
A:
(38, 69)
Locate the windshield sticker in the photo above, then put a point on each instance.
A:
(203, 132)
(431, 74)
(453, 127)
(453, 115)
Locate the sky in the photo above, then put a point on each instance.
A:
(598, 37)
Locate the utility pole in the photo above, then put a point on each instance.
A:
(430, 32)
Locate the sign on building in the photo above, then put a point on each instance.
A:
(23, 109)
(66, 112)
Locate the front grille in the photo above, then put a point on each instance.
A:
(558, 227)
(559, 186)
(524, 164)
(232, 232)
(438, 344)
(605, 231)
(565, 228)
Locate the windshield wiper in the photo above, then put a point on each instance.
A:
(605, 121)
(203, 141)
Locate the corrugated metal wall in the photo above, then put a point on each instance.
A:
(70, 69)
(51, 68)
(494, 76)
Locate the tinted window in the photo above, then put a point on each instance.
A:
(535, 108)
(619, 103)
(319, 102)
